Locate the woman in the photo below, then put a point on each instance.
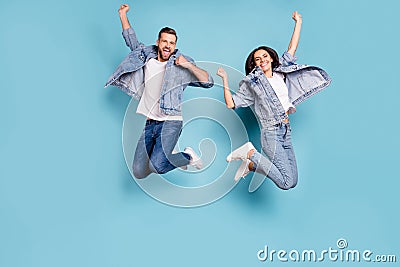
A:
(273, 86)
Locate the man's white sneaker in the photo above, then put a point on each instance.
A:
(240, 153)
(243, 170)
(195, 160)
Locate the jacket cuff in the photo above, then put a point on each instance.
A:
(237, 101)
(288, 59)
(208, 84)
(128, 31)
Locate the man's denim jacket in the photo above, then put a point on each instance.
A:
(302, 82)
(129, 75)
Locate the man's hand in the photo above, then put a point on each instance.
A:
(200, 74)
(182, 61)
(123, 9)
(122, 15)
(296, 17)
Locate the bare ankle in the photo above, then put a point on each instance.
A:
(251, 166)
(250, 153)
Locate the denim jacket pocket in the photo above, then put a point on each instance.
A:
(176, 99)
(310, 79)
(172, 101)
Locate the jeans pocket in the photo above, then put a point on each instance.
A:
(270, 129)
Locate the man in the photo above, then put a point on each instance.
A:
(156, 75)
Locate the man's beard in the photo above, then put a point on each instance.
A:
(160, 54)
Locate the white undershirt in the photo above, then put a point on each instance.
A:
(149, 104)
(278, 84)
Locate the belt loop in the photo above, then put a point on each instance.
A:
(149, 121)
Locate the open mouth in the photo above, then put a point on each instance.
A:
(166, 52)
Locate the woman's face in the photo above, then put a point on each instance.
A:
(263, 59)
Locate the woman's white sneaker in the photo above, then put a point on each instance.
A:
(243, 170)
(240, 153)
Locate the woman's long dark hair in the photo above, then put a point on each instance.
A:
(251, 64)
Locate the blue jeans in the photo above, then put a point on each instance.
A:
(280, 166)
(154, 149)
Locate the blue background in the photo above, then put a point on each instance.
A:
(67, 197)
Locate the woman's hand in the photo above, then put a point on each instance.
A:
(222, 73)
(296, 17)
(227, 93)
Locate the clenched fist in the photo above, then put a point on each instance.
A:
(182, 61)
(222, 73)
(123, 8)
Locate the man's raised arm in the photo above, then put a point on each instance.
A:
(127, 32)
(123, 9)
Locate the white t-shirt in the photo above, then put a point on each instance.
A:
(278, 84)
(149, 104)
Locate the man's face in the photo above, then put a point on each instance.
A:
(166, 45)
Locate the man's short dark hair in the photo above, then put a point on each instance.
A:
(169, 31)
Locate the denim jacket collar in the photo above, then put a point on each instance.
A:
(154, 54)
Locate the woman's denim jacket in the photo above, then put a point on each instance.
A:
(129, 75)
(302, 82)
